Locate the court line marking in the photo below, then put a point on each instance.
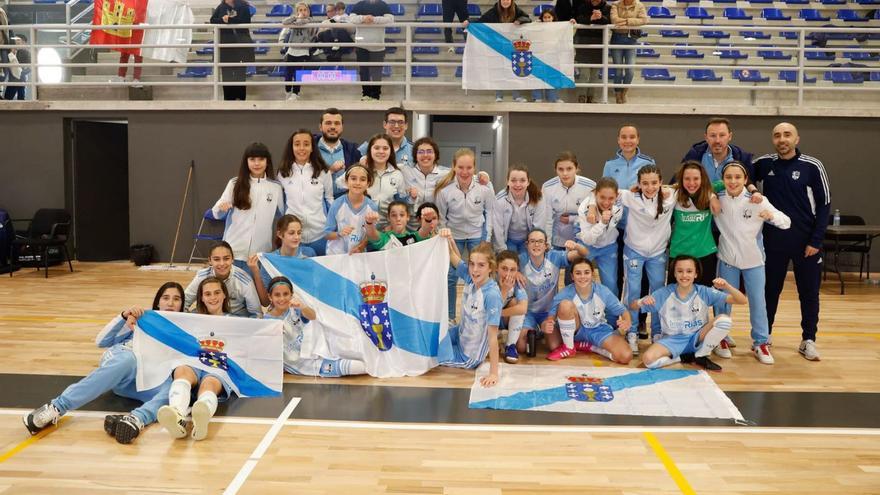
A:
(33, 439)
(669, 464)
(258, 453)
(376, 425)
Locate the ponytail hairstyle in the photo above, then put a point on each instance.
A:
(200, 305)
(532, 189)
(279, 281)
(485, 248)
(362, 167)
(566, 156)
(653, 169)
(704, 193)
(445, 181)
(241, 192)
(508, 255)
(315, 158)
(281, 226)
(604, 183)
(739, 165)
(392, 157)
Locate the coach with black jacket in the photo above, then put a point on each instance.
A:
(716, 151)
(234, 12)
(594, 13)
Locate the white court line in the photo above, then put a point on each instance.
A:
(376, 425)
(255, 457)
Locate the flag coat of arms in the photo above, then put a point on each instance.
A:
(510, 56)
(123, 14)
(387, 308)
(245, 354)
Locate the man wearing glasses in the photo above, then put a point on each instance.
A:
(395, 125)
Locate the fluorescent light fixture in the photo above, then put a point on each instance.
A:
(49, 66)
(497, 123)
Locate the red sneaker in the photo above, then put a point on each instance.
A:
(583, 347)
(561, 352)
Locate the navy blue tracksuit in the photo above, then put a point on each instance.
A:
(799, 188)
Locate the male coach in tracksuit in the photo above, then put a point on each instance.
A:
(798, 186)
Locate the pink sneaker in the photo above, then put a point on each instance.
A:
(561, 352)
(583, 347)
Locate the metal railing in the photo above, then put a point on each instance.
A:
(208, 36)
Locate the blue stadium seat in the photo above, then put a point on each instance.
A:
(268, 30)
(390, 49)
(844, 78)
(772, 14)
(207, 50)
(850, 15)
(733, 55)
(715, 35)
(262, 50)
(833, 2)
(541, 8)
(393, 30)
(276, 71)
(813, 15)
(397, 9)
(734, 13)
(425, 71)
(774, 55)
(386, 71)
(797, 2)
(474, 10)
(703, 75)
(425, 50)
(673, 33)
(697, 13)
(349, 8)
(44, 1)
(789, 35)
(724, 1)
(660, 13)
(251, 71)
(252, 9)
(647, 53)
(746, 75)
(760, 1)
(428, 30)
(791, 76)
(875, 76)
(687, 53)
(430, 10)
(280, 10)
(195, 73)
(459, 50)
(758, 35)
(822, 56)
(868, 2)
(863, 56)
(657, 75)
(458, 71)
(318, 9)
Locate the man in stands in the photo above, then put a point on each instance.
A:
(395, 125)
(340, 32)
(716, 151)
(336, 152)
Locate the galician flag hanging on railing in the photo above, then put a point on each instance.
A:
(122, 14)
(510, 56)
(387, 308)
(244, 354)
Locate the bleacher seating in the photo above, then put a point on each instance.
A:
(714, 34)
(655, 12)
(736, 14)
(773, 14)
(657, 75)
(280, 10)
(732, 55)
(791, 76)
(430, 10)
(813, 15)
(698, 13)
(844, 78)
(686, 53)
(850, 16)
(195, 73)
(747, 75)
(425, 71)
(774, 55)
(703, 75)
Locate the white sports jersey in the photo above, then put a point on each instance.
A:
(512, 221)
(543, 281)
(467, 213)
(480, 308)
(598, 235)
(684, 316)
(341, 215)
(742, 242)
(243, 298)
(413, 177)
(293, 337)
(645, 234)
(387, 187)
(250, 231)
(592, 310)
(308, 198)
(564, 201)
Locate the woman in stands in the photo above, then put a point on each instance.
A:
(367, 14)
(626, 15)
(518, 209)
(234, 12)
(242, 297)
(593, 13)
(308, 187)
(346, 220)
(505, 11)
(293, 34)
(288, 237)
(250, 203)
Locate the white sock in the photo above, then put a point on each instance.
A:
(663, 361)
(514, 328)
(602, 352)
(209, 398)
(714, 336)
(566, 329)
(178, 396)
(356, 368)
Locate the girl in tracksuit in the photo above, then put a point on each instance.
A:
(388, 183)
(518, 209)
(741, 249)
(244, 300)
(346, 220)
(293, 34)
(599, 232)
(249, 204)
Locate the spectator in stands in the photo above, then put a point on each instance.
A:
(336, 16)
(565, 9)
(395, 126)
(293, 34)
(367, 14)
(334, 10)
(549, 95)
(234, 12)
(505, 11)
(4, 40)
(124, 56)
(336, 152)
(18, 74)
(596, 13)
(625, 15)
(716, 151)
(452, 8)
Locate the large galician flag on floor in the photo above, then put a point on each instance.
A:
(387, 308)
(245, 354)
(510, 56)
(121, 14)
(604, 390)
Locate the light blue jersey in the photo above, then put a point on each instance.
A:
(343, 214)
(480, 308)
(294, 363)
(684, 316)
(302, 252)
(593, 309)
(543, 281)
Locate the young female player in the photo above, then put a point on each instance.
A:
(514, 299)
(580, 310)
(599, 232)
(345, 221)
(117, 372)
(477, 334)
(397, 234)
(213, 299)
(518, 209)
(388, 184)
(422, 179)
(684, 315)
(741, 249)
(288, 307)
(243, 297)
(250, 204)
(564, 194)
(308, 187)
(288, 237)
(692, 220)
(465, 209)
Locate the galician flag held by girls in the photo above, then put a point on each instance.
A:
(510, 56)
(387, 308)
(245, 354)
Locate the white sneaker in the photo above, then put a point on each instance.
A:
(451, 49)
(723, 350)
(520, 99)
(808, 350)
(713, 337)
(633, 340)
(292, 96)
(499, 99)
(539, 100)
(762, 353)
(137, 83)
(41, 417)
(367, 98)
(730, 341)
(201, 416)
(559, 100)
(172, 420)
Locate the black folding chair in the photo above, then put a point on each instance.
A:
(49, 228)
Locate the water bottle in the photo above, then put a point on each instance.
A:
(836, 220)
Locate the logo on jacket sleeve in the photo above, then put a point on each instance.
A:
(374, 315)
(796, 175)
(521, 58)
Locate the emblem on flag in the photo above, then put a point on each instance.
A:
(374, 314)
(589, 392)
(211, 353)
(521, 58)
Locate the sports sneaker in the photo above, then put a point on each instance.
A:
(561, 352)
(136, 83)
(110, 422)
(583, 347)
(499, 99)
(558, 100)
(770, 340)
(128, 428)
(201, 416)
(292, 96)
(707, 364)
(808, 350)
(451, 49)
(510, 354)
(723, 350)
(538, 100)
(172, 420)
(633, 341)
(762, 352)
(520, 99)
(41, 417)
(367, 98)
(730, 341)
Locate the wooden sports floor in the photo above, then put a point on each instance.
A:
(814, 426)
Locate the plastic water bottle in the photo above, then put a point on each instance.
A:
(836, 220)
